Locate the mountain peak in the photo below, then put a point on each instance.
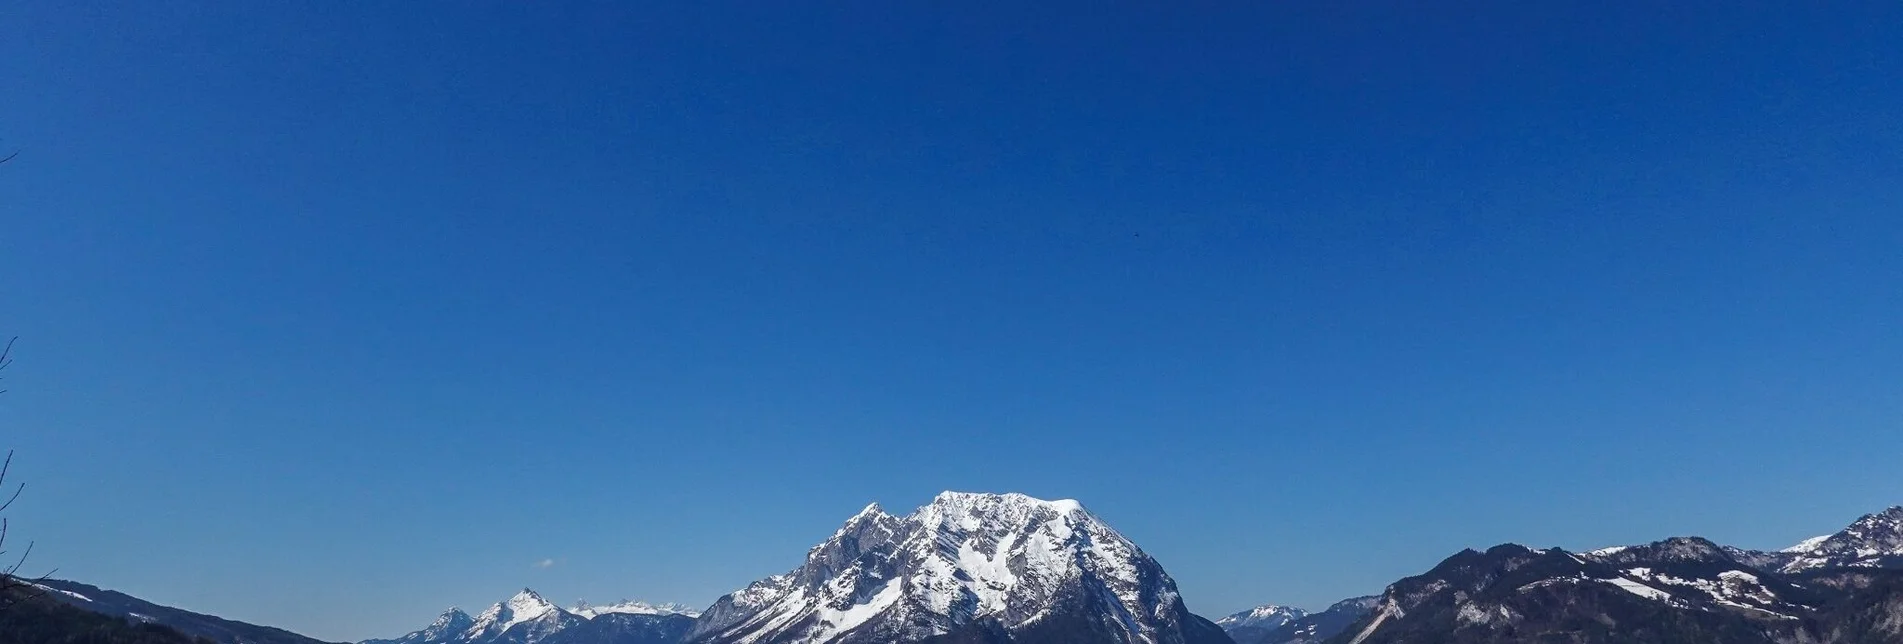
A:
(452, 617)
(1890, 519)
(965, 560)
(1674, 549)
(524, 606)
(967, 511)
(953, 499)
(1268, 616)
(1871, 539)
(632, 607)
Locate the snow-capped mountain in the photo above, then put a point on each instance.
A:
(1844, 588)
(1264, 616)
(1309, 628)
(452, 623)
(977, 567)
(629, 607)
(1872, 541)
(527, 618)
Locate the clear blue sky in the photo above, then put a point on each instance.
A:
(334, 314)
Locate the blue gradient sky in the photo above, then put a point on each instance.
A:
(334, 314)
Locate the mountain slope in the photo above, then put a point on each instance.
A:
(447, 626)
(964, 568)
(1266, 617)
(216, 629)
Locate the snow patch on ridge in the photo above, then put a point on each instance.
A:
(1806, 546)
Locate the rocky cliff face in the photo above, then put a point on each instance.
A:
(966, 567)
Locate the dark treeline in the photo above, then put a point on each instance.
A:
(34, 619)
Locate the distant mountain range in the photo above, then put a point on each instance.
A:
(1842, 589)
(527, 618)
(1302, 628)
(1007, 568)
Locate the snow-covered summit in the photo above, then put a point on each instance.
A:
(454, 617)
(1005, 561)
(1268, 616)
(528, 618)
(1806, 545)
(1872, 540)
(525, 607)
(630, 607)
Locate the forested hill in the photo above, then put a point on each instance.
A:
(29, 618)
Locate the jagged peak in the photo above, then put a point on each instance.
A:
(1891, 517)
(969, 510)
(950, 498)
(523, 606)
(969, 555)
(1871, 534)
(451, 616)
(872, 514)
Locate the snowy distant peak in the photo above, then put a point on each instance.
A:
(963, 512)
(1872, 534)
(1266, 616)
(980, 502)
(1806, 546)
(871, 510)
(628, 607)
(872, 518)
(1873, 540)
(451, 618)
(525, 606)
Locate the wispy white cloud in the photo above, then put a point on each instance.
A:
(545, 564)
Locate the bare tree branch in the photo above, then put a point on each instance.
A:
(13, 588)
(7, 352)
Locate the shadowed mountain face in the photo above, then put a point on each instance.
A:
(965, 568)
(1845, 588)
(121, 605)
(28, 616)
